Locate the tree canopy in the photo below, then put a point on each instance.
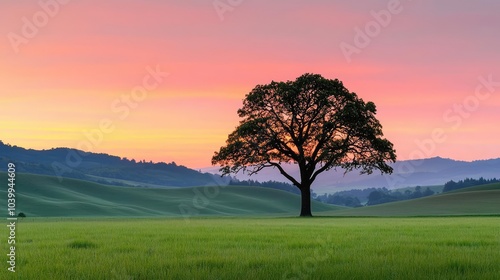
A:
(314, 122)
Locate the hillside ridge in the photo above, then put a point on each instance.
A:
(46, 196)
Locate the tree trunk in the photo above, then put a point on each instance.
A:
(305, 208)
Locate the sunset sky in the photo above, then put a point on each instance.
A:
(71, 68)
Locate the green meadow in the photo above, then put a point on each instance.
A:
(258, 248)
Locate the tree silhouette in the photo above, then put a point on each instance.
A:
(313, 122)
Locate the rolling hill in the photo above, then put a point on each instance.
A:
(479, 200)
(103, 168)
(46, 196)
(113, 170)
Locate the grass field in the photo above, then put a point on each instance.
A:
(263, 248)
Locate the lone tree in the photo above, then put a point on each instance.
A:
(313, 122)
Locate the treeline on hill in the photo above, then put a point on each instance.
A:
(268, 184)
(468, 182)
(384, 195)
(351, 198)
(102, 168)
(372, 196)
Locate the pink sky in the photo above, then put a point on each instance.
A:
(62, 80)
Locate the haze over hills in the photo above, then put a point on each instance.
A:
(424, 172)
(108, 169)
(42, 195)
(46, 196)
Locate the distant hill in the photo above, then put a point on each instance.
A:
(479, 200)
(109, 169)
(46, 196)
(425, 172)
(103, 168)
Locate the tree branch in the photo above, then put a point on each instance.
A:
(284, 173)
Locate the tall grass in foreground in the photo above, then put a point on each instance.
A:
(272, 248)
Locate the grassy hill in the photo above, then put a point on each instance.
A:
(479, 200)
(102, 168)
(45, 196)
